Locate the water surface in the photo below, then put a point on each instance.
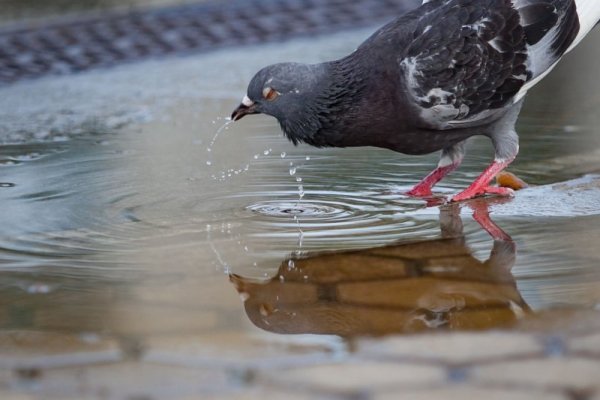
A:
(133, 227)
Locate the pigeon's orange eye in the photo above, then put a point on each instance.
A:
(270, 93)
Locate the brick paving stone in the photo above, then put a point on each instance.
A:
(5, 395)
(470, 393)
(568, 373)
(128, 380)
(24, 349)
(454, 348)
(147, 319)
(234, 350)
(352, 377)
(216, 293)
(259, 394)
(586, 344)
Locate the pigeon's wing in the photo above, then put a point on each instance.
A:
(470, 59)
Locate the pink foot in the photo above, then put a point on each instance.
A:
(420, 191)
(478, 192)
(481, 185)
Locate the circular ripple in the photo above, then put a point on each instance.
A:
(304, 209)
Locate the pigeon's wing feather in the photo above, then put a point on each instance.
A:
(469, 59)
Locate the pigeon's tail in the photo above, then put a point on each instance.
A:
(588, 12)
(553, 28)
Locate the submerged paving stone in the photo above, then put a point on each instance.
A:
(26, 350)
(15, 396)
(128, 380)
(234, 350)
(260, 394)
(565, 373)
(471, 393)
(587, 344)
(454, 348)
(351, 377)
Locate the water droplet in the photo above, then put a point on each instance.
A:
(293, 171)
(6, 185)
(266, 152)
(209, 163)
(291, 265)
(307, 158)
(298, 179)
(256, 156)
(283, 155)
(282, 279)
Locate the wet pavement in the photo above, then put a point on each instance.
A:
(137, 264)
(72, 45)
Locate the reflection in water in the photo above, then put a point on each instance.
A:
(402, 288)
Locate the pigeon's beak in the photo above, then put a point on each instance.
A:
(246, 108)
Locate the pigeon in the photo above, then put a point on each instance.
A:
(428, 81)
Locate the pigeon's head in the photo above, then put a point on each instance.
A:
(287, 92)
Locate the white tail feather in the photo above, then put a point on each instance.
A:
(588, 12)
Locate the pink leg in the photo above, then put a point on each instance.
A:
(423, 188)
(481, 185)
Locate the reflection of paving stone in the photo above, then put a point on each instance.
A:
(455, 348)
(26, 350)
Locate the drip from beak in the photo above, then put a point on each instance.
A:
(246, 108)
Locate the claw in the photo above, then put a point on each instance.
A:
(488, 190)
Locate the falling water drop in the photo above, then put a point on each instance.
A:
(293, 171)
(283, 155)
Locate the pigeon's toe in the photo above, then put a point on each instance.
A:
(487, 190)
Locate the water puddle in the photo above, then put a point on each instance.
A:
(160, 226)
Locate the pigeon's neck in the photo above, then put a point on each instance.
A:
(335, 89)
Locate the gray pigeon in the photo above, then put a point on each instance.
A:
(427, 81)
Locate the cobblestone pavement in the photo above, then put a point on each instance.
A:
(524, 364)
(80, 44)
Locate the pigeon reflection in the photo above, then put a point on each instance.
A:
(402, 288)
